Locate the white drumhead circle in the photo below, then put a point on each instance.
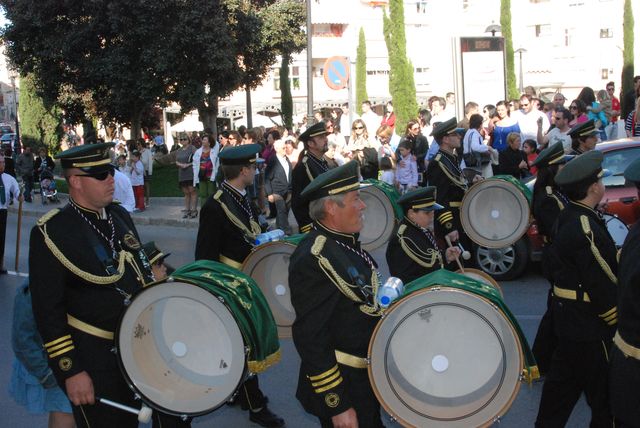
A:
(181, 349)
(268, 265)
(379, 218)
(445, 357)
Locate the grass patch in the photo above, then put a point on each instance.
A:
(164, 182)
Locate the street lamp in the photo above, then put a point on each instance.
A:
(493, 29)
(13, 75)
(309, 66)
(520, 51)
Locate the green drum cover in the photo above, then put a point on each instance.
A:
(524, 189)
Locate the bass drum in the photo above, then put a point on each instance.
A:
(180, 349)
(483, 277)
(380, 215)
(268, 265)
(444, 356)
(617, 229)
(495, 212)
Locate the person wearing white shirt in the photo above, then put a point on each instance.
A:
(370, 118)
(123, 191)
(527, 118)
(560, 134)
(9, 190)
(277, 185)
(345, 122)
(146, 157)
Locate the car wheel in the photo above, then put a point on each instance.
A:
(504, 263)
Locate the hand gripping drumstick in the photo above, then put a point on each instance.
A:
(446, 238)
(144, 414)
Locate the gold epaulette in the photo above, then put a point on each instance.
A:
(318, 244)
(549, 190)
(48, 216)
(401, 229)
(438, 156)
(217, 195)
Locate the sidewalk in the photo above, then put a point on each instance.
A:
(161, 211)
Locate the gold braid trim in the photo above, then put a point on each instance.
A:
(45, 218)
(422, 257)
(255, 227)
(457, 181)
(260, 366)
(306, 167)
(550, 193)
(374, 310)
(318, 244)
(101, 280)
(342, 285)
(584, 220)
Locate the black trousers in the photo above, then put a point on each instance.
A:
(546, 341)
(576, 367)
(624, 379)
(3, 234)
(249, 396)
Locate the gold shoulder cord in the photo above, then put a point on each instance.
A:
(255, 228)
(326, 267)
(455, 180)
(374, 310)
(306, 167)
(426, 259)
(584, 220)
(558, 201)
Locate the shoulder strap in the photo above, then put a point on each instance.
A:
(586, 228)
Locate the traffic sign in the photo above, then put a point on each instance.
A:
(336, 72)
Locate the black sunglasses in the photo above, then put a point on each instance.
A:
(100, 176)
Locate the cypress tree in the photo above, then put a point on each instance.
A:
(286, 103)
(627, 53)
(361, 72)
(39, 124)
(505, 24)
(401, 82)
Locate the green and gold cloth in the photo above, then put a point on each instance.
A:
(445, 278)
(247, 304)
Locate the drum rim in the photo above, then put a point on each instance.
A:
(284, 330)
(375, 191)
(426, 290)
(467, 226)
(485, 275)
(130, 383)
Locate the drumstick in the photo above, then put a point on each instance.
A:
(446, 238)
(144, 414)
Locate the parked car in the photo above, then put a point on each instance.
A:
(8, 141)
(621, 200)
(5, 129)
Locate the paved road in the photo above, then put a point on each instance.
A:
(525, 297)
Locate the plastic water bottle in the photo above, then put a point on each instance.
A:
(390, 291)
(270, 236)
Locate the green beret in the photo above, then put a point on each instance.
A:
(423, 199)
(584, 168)
(552, 155)
(154, 255)
(239, 155)
(444, 128)
(342, 179)
(90, 158)
(632, 172)
(584, 129)
(312, 131)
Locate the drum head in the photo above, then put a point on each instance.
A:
(495, 213)
(482, 277)
(268, 265)
(617, 229)
(180, 348)
(379, 218)
(445, 357)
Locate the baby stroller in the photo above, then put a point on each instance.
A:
(48, 187)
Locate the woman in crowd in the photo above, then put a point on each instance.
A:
(184, 161)
(513, 161)
(632, 123)
(383, 136)
(504, 126)
(579, 111)
(361, 149)
(205, 167)
(475, 150)
(389, 117)
(334, 136)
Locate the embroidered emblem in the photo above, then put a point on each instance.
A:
(332, 400)
(131, 241)
(65, 364)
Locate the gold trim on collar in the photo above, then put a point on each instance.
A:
(88, 328)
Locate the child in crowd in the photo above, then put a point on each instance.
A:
(386, 171)
(529, 147)
(137, 180)
(123, 167)
(407, 169)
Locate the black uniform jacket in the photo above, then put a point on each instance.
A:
(335, 311)
(412, 252)
(629, 291)
(584, 268)
(547, 204)
(444, 173)
(78, 290)
(228, 227)
(304, 172)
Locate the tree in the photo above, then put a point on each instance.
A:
(286, 103)
(401, 81)
(505, 24)
(627, 53)
(39, 125)
(361, 72)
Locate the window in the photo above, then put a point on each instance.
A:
(421, 6)
(604, 74)
(294, 78)
(543, 30)
(606, 33)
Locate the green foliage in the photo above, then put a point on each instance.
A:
(286, 104)
(361, 72)
(39, 125)
(627, 53)
(401, 82)
(505, 24)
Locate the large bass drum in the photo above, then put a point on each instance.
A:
(616, 228)
(380, 215)
(495, 212)
(445, 356)
(183, 344)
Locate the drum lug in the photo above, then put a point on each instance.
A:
(136, 396)
(221, 299)
(114, 350)
(497, 419)
(393, 419)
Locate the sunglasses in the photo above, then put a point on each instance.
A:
(610, 89)
(359, 127)
(573, 107)
(100, 176)
(524, 105)
(560, 118)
